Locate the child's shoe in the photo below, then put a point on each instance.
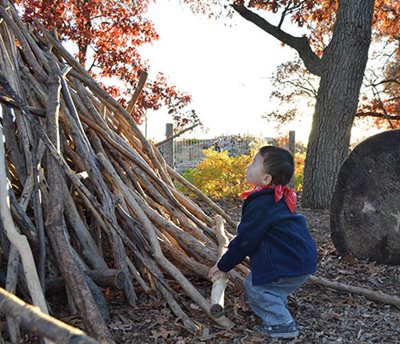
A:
(279, 331)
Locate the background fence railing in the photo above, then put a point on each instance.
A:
(184, 153)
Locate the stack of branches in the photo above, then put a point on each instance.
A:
(78, 178)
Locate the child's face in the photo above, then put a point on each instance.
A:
(255, 172)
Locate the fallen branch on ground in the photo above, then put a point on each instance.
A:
(376, 296)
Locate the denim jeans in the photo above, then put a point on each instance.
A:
(269, 301)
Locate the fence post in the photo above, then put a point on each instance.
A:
(292, 149)
(169, 145)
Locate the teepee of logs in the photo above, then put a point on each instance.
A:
(78, 178)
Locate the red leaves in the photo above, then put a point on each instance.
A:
(108, 34)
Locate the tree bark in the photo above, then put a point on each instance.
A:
(35, 320)
(73, 276)
(376, 296)
(343, 69)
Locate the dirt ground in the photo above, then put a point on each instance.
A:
(323, 315)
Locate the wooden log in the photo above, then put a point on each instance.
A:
(169, 138)
(136, 275)
(85, 150)
(178, 311)
(156, 194)
(11, 287)
(36, 321)
(364, 212)
(39, 53)
(173, 250)
(87, 79)
(38, 212)
(22, 219)
(18, 240)
(103, 278)
(142, 81)
(175, 175)
(54, 226)
(376, 296)
(26, 49)
(220, 280)
(89, 248)
(16, 155)
(160, 258)
(153, 215)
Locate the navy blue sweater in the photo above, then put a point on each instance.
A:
(277, 241)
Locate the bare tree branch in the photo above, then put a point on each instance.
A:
(310, 91)
(300, 44)
(378, 115)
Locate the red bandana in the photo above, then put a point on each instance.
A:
(279, 191)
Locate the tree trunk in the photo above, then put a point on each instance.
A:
(343, 66)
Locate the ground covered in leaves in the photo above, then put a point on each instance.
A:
(323, 315)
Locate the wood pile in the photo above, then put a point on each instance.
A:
(86, 201)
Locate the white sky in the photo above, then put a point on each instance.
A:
(227, 71)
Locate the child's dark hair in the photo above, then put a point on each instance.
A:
(278, 162)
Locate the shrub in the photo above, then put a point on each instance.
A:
(220, 175)
(299, 159)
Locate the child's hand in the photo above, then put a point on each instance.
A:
(214, 269)
(215, 273)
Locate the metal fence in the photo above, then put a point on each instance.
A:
(186, 152)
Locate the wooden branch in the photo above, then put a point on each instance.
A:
(219, 283)
(136, 275)
(178, 311)
(36, 321)
(142, 81)
(38, 212)
(30, 57)
(22, 219)
(54, 226)
(159, 256)
(376, 296)
(300, 44)
(18, 240)
(11, 286)
(16, 155)
(127, 193)
(378, 115)
(175, 175)
(158, 144)
(90, 250)
(103, 278)
(86, 78)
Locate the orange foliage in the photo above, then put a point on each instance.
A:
(319, 17)
(108, 34)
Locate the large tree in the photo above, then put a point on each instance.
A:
(108, 35)
(336, 50)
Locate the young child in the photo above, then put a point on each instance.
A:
(281, 250)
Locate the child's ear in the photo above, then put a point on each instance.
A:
(267, 179)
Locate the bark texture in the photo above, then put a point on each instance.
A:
(341, 69)
(365, 216)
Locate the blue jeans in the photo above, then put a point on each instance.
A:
(269, 301)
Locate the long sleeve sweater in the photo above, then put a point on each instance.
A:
(277, 241)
